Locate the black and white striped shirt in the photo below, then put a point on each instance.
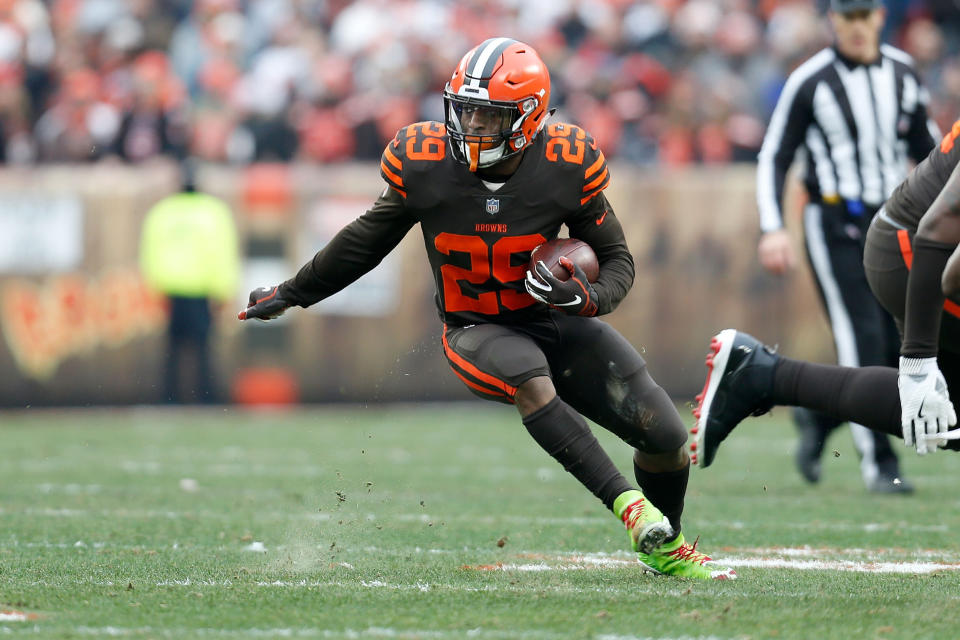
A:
(856, 125)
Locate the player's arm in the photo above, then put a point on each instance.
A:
(926, 410)
(791, 117)
(597, 225)
(355, 250)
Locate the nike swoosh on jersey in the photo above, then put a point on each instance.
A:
(601, 219)
(576, 300)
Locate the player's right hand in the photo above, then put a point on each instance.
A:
(926, 412)
(265, 304)
(776, 252)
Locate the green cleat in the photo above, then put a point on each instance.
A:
(648, 528)
(677, 558)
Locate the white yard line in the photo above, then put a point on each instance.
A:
(333, 634)
(13, 616)
(427, 587)
(862, 565)
(876, 560)
(832, 525)
(426, 518)
(622, 556)
(652, 587)
(358, 634)
(841, 565)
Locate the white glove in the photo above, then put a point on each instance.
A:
(926, 412)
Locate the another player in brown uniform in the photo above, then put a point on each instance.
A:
(487, 187)
(912, 267)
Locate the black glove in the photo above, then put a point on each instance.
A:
(264, 304)
(575, 297)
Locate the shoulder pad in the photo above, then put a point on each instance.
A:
(423, 142)
(569, 145)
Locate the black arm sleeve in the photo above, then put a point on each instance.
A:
(921, 325)
(920, 140)
(355, 250)
(597, 225)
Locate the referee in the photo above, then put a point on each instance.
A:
(856, 111)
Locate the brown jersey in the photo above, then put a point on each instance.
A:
(478, 239)
(914, 196)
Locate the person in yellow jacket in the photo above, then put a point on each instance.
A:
(189, 253)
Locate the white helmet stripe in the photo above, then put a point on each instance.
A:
(489, 49)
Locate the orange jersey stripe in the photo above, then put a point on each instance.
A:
(594, 167)
(392, 159)
(906, 250)
(588, 198)
(585, 199)
(394, 178)
(946, 145)
(600, 178)
(472, 370)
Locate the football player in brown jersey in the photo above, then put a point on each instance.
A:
(912, 266)
(487, 186)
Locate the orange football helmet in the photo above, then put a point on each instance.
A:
(496, 102)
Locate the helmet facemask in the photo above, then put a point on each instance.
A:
(496, 102)
(484, 132)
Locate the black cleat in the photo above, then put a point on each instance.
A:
(890, 484)
(739, 384)
(810, 448)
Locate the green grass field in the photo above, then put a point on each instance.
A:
(440, 523)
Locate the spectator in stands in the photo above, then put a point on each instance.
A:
(624, 68)
(153, 123)
(80, 126)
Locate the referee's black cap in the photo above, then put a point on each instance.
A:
(845, 6)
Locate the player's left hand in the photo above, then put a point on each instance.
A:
(575, 297)
(926, 412)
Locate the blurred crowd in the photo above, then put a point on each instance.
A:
(666, 81)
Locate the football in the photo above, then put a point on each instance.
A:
(577, 250)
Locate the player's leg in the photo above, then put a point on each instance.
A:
(500, 363)
(178, 346)
(205, 389)
(886, 352)
(813, 429)
(171, 367)
(602, 376)
(746, 378)
(860, 327)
